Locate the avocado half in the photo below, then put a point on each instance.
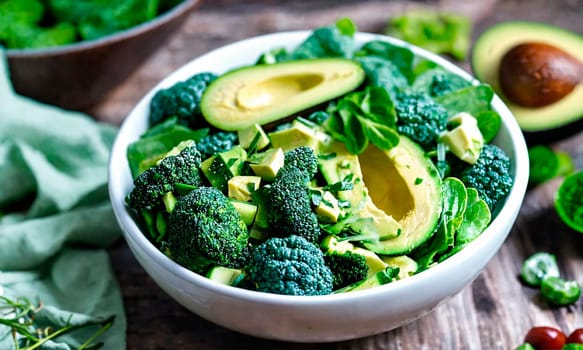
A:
(540, 124)
(263, 94)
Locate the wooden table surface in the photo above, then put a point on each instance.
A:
(494, 312)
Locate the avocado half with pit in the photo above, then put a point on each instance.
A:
(263, 94)
(542, 123)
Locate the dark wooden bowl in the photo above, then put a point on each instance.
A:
(79, 75)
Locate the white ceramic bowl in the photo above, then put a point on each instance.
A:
(314, 318)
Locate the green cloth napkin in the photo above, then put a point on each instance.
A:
(55, 216)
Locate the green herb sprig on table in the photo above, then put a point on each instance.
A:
(28, 333)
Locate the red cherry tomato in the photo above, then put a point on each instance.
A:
(545, 338)
(576, 337)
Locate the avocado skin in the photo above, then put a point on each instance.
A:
(488, 51)
(555, 134)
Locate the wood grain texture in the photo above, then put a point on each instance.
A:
(494, 312)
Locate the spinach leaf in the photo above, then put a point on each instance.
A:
(472, 99)
(383, 73)
(454, 197)
(401, 57)
(364, 116)
(489, 122)
(438, 82)
(329, 41)
(476, 218)
(154, 144)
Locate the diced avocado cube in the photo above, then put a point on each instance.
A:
(221, 167)
(298, 135)
(242, 187)
(327, 210)
(253, 136)
(169, 201)
(246, 210)
(225, 275)
(465, 140)
(267, 164)
(407, 266)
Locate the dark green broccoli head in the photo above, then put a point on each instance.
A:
(216, 143)
(444, 83)
(181, 100)
(291, 266)
(347, 267)
(490, 175)
(302, 158)
(206, 230)
(153, 183)
(290, 211)
(420, 118)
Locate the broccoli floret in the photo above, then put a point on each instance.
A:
(288, 196)
(181, 100)
(291, 266)
(420, 118)
(216, 143)
(347, 267)
(302, 158)
(444, 83)
(205, 230)
(153, 183)
(490, 175)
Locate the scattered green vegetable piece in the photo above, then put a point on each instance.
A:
(546, 164)
(435, 31)
(572, 346)
(525, 346)
(569, 201)
(538, 266)
(558, 291)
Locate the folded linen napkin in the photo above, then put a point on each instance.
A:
(55, 218)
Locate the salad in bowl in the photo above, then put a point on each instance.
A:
(299, 179)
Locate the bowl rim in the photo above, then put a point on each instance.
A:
(506, 213)
(183, 7)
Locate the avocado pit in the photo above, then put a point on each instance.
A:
(535, 74)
